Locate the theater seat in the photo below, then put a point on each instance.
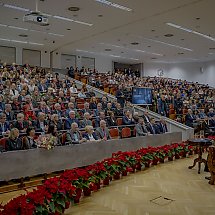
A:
(63, 138)
(114, 133)
(126, 132)
(2, 142)
(80, 106)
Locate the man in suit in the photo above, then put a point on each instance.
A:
(73, 136)
(71, 119)
(41, 125)
(211, 115)
(146, 116)
(87, 108)
(153, 127)
(118, 110)
(57, 110)
(120, 96)
(4, 125)
(190, 118)
(163, 126)
(98, 109)
(102, 131)
(127, 119)
(98, 119)
(86, 121)
(10, 116)
(141, 129)
(21, 124)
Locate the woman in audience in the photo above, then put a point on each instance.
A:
(111, 119)
(52, 133)
(13, 142)
(73, 89)
(56, 122)
(93, 103)
(28, 141)
(89, 134)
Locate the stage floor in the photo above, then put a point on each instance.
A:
(167, 189)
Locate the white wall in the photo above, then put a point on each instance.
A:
(186, 71)
(103, 64)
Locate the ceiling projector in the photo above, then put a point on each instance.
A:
(36, 18)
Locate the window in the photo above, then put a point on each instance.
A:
(88, 62)
(68, 61)
(7, 54)
(31, 57)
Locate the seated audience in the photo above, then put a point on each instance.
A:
(102, 131)
(71, 119)
(4, 125)
(41, 124)
(153, 127)
(163, 126)
(56, 122)
(28, 141)
(10, 115)
(74, 136)
(86, 121)
(127, 119)
(13, 142)
(190, 118)
(141, 129)
(20, 123)
(111, 119)
(89, 134)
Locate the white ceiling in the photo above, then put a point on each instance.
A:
(117, 29)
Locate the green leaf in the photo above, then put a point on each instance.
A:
(39, 209)
(61, 202)
(52, 207)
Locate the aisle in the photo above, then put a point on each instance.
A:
(190, 192)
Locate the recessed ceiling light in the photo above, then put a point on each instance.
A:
(122, 52)
(149, 46)
(23, 35)
(213, 48)
(108, 3)
(182, 39)
(180, 53)
(68, 29)
(168, 35)
(73, 9)
(152, 30)
(135, 43)
(197, 18)
(75, 15)
(16, 18)
(108, 50)
(100, 15)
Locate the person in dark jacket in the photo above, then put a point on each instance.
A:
(13, 143)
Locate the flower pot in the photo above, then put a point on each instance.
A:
(147, 164)
(170, 158)
(162, 160)
(155, 162)
(67, 204)
(138, 166)
(98, 185)
(116, 176)
(87, 191)
(177, 156)
(106, 181)
(124, 173)
(76, 200)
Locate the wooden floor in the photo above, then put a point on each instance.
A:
(181, 191)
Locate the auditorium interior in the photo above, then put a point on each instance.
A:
(107, 107)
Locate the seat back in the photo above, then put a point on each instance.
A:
(2, 143)
(119, 121)
(126, 132)
(114, 133)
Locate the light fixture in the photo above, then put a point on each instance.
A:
(111, 55)
(19, 41)
(168, 44)
(18, 28)
(16, 7)
(114, 5)
(190, 31)
(25, 29)
(58, 35)
(72, 20)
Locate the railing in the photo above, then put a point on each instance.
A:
(173, 126)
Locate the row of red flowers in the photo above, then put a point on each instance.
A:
(57, 193)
